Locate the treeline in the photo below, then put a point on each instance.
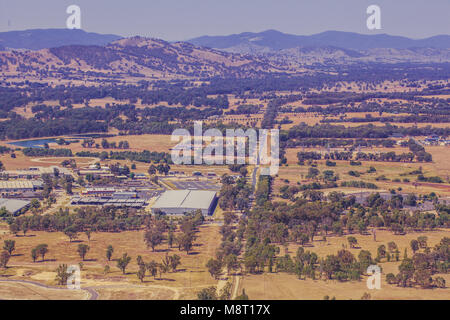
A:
(187, 93)
(105, 219)
(244, 109)
(272, 109)
(301, 221)
(113, 145)
(177, 93)
(418, 269)
(4, 149)
(234, 194)
(398, 119)
(143, 156)
(335, 143)
(262, 193)
(329, 97)
(53, 121)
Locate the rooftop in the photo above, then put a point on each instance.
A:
(37, 171)
(17, 184)
(190, 199)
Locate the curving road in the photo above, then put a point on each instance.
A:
(93, 295)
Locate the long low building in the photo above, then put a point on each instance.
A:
(186, 201)
(35, 172)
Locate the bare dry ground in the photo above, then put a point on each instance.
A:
(151, 142)
(313, 119)
(398, 124)
(286, 286)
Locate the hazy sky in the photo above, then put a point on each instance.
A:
(184, 19)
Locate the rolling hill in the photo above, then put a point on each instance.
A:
(272, 40)
(37, 39)
(331, 47)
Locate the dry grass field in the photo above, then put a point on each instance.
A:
(253, 120)
(29, 291)
(191, 275)
(286, 286)
(151, 142)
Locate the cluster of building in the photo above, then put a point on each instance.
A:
(18, 187)
(113, 196)
(34, 172)
(117, 202)
(435, 140)
(178, 202)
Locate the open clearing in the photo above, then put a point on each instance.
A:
(391, 170)
(29, 291)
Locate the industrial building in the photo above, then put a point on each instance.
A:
(186, 201)
(133, 203)
(109, 197)
(99, 192)
(13, 187)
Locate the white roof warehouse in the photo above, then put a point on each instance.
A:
(186, 201)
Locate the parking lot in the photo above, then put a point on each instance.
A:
(194, 185)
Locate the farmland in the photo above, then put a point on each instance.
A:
(363, 177)
(191, 275)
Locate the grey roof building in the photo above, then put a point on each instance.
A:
(13, 205)
(186, 201)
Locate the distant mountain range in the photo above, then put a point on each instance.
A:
(37, 39)
(332, 55)
(272, 40)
